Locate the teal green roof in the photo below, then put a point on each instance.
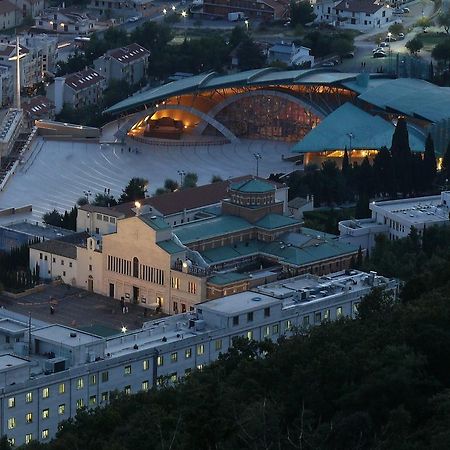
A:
(227, 278)
(254, 186)
(308, 252)
(170, 246)
(157, 223)
(273, 221)
(368, 132)
(258, 77)
(209, 228)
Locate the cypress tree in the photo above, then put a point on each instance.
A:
(401, 157)
(429, 163)
(345, 163)
(383, 170)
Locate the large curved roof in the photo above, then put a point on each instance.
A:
(257, 77)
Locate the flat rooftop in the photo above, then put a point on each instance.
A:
(33, 229)
(238, 303)
(69, 337)
(7, 361)
(415, 210)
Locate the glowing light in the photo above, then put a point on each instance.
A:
(164, 11)
(123, 329)
(137, 204)
(183, 13)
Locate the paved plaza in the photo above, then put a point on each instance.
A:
(59, 172)
(80, 309)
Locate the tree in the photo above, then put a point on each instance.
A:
(441, 51)
(102, 199)
(341, 46)
(301, 13)
(190, 180)
(424, 22)
(135, 190)
(216, 179)
(414, 45)
(401, 157)
(82, 201)
(250, 55)
(396, 28)
(443, 20)
(383, 169)
(171, 185)
(429, 163)
(53, 218)
(446, 163)
(362, 210)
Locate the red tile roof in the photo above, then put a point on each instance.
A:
(83, 79)
(129, 53)
(364, 6)
(38, 106)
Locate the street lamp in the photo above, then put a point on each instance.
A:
(257, 156)
(389, 40)
(246, 24)
(350, 136)
(182, 173)
(173, 7)
(164, 11)
(184, 15)
(87, 194)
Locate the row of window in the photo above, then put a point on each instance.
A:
(106, 218)
(44, 257)
(200, 350)
(192, 286)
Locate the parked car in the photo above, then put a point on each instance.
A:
(328, 64)
(399, 11)
(379, 54)
(406, 10)
(349, 55)
(287, 24)
(377, 49)
(133, 19)
(384, 44)
(401, 36)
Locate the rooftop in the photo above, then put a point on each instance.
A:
(348, 126)
(69, 337)
(7, 361)
(157, 223)
(365, 6)
(256, 77)
(38, 106)
(222, 279)
(65, 246)
(128, 54)
(254, 186)
(83, 79)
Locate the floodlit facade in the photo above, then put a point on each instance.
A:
(48, 372)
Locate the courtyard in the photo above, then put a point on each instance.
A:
(58, 173)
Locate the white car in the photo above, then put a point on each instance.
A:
(133, 19)
(384, 44)
(378, 49)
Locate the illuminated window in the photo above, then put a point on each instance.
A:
(275, 329)
(145, 364)
(11, 402)
(355, 308)
(28, 438)
(266, 331)
(127, 390)
(62, 388)
(174, 357)
(11, 423)
(160, 360)
(45, 413)
(250, 335)
(127, 370)
(28, 397)
(200, 367)
(144, 386)
(218, 345)
(192, 287)
(92, 400)
(326, 314)
(105, 377)
(44, 434)
(61, 409)
(93, 379)
(188, 353)
(80, 403)
(173, 377)
(105, 396)
(288, 325)
(12, 441)
(175, 283)
(338, 312)
(80, 383)
(200, 349)
(29, 418)
(46, 392)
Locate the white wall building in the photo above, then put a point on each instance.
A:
(395, 219)
(61, 21)
(290, 54)
(362, 14)
(65, 369)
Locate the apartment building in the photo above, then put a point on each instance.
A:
(266, 10)
(77, 89)
(51, 371)
(122, 8)
(63, 21)
(363, 14)
(37, 108)
(124, 64)
(396, 218)
(10, 15)
(10, 128)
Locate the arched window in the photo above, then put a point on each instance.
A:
(135, 267)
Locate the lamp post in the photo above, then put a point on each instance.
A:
(182, 173)
(173, 8)
(350, 136)
(389, 40)
(184, 15)
(246, 24)
(257, 156)
(87, 194)
(164, 12)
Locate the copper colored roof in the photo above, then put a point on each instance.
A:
(83, 79)
(128, 54)
(365, 6)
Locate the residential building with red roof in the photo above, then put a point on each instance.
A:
(127, 63)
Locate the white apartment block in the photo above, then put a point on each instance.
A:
(396, 218)
(10, 15)
(122, 8)
(48, 372)
(10, 128)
